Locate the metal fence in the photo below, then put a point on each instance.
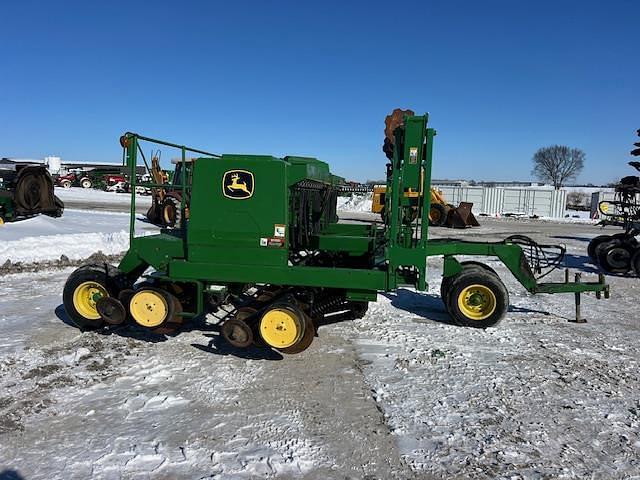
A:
(501, 201)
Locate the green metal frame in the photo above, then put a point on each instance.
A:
(195, 253)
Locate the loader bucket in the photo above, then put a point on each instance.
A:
(33, 193)
(462, 216)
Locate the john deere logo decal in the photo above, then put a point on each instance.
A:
(237, 184)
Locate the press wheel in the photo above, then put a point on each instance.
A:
(282, 326)
(306, 340)
(151, 307)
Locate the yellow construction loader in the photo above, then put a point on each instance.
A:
(441, 213)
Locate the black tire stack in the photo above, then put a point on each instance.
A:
(619, 253)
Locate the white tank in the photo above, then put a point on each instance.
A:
(53, 164)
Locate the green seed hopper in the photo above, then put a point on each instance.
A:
(261, 233)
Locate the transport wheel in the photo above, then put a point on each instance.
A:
(445, 286)
(151, 307)
(84, 287)
(593, 244)
(237, 333)
(615, 256)
(171, 215)
(282, 326)
(437, 215)
(306, 340)
(477, 298)
(111, 310)
(85, 183)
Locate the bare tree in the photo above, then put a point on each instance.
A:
(558, 164)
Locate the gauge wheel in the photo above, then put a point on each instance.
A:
(477, 298)
(82, 290)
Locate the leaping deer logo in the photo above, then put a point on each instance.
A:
(237, 184)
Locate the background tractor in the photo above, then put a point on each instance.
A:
(167, 194)
(263, 237)
(441, 213)
(27, 190)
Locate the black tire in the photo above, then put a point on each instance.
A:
(171, 213)
(635, 262)
(101, 275)
(86, 183)
(66, 184)
(489, 290)
(439, 214)
(615, 256)
(445, 286)
(593, 244)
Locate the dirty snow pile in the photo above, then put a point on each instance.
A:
(355, 203)
(76, 235)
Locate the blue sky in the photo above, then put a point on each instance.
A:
(499, 79)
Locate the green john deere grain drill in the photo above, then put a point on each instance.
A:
(262, 235)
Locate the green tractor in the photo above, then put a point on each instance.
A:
(263, 235)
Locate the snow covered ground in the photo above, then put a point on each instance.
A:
(355, 203)
(79, 194)
(401, 393)
(77, 234)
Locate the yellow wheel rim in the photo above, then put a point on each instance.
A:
(477, 302)
(280, 328)
(85, 297)
(148, 308)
